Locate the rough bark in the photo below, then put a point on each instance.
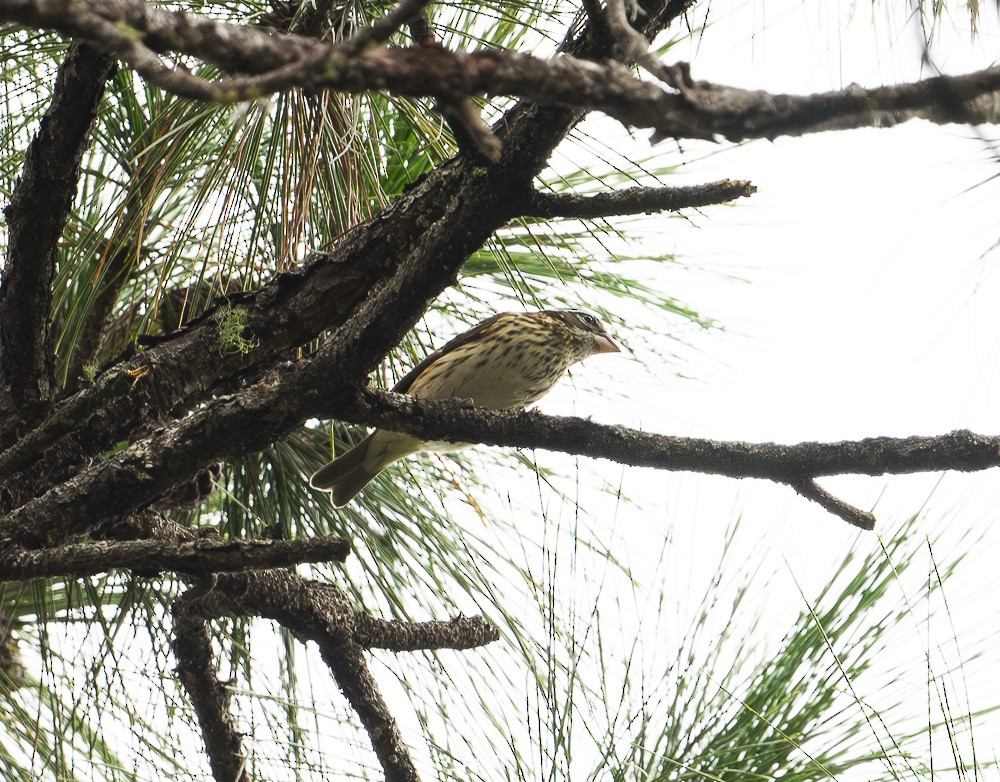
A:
(314, 612)
(36, 216)
(199, 557)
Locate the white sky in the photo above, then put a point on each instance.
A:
(870, 308)
(872, 303)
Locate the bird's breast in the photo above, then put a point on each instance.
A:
(501, 374)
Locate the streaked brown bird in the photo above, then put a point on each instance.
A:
(505, 363)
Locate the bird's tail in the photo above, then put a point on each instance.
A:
(349, 473)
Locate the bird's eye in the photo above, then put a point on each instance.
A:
(589, 319)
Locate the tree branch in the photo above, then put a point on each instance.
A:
(463, 632)
(738, 114)
(630, 45)
(36, 216)
(180, 371)
(246, 422)
(960, 450)
(348, 666)
(796, 465)
(461, 203)
(462, 114)
(135, 32)
(199, 557)
(193, 650)
(322, 613)
(232, 47)
(417, 247)
(849, 513)
(636, 200)
(380, 31)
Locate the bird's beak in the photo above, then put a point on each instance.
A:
(604, 344)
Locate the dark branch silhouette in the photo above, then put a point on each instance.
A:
(193, 650)
(198, 557)
(637, 200)
(138, 33)
(246, 422)
(36, 216)
(320, 613)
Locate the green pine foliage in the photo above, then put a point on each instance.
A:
(182, 203)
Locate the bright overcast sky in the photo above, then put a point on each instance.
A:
(870, 307)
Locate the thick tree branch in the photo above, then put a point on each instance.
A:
(352, 352)
(421, 242)
(694, 110)
(182, 369)
(245, 422)
(238, 424)
(636, 200)
(422, 239)
(960, 450)
(170, 378)
(199, 557)
(36, 216)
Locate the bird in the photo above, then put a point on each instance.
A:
(506, 362)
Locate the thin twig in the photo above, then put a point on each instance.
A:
(464, 632)
(636, 200)
(838, 507)
(462, 114)
(379, 31)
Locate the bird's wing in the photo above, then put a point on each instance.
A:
(403, 386)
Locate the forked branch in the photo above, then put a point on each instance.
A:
(314, 612)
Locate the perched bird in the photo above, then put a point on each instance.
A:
(505, 363)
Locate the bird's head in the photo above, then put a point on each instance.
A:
(583, 323)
